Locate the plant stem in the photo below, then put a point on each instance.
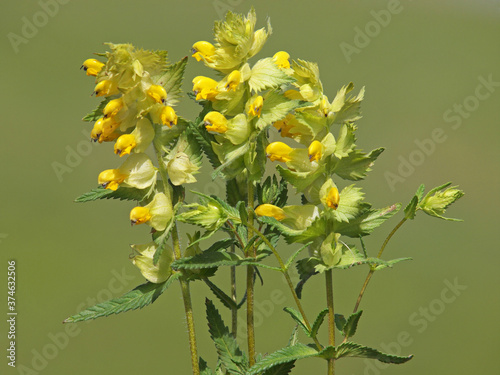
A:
(188, 307)
(234, 311)
(287, 278)
(250, 283)
(331, 318)
(372, 271)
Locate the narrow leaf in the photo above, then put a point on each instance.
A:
(223, 297)
(352, 324)
(318, 322)
(340, 322)
(411, 208)
(351, 349)
(121, 193)
(96, 114)
(297, 316)
(285, 355)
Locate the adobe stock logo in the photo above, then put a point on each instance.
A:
(31, 25)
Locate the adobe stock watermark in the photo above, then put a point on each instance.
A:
(454, 116)
(223, 6)
(372, 29)
(74, 156)
(420, 321)
(30, 26)
(58, 341)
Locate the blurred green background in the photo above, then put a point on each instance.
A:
(419, 60)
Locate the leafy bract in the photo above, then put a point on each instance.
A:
(122, 193)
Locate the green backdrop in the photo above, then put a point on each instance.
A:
(431, 71)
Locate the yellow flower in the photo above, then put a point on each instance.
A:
(92, 67)
(279, 151)
(96, 130)
(124, 144)
(233, 80)
(155, 273)
(203, 50)
(140, 215)
(104, 130)
(215, 122)
(157, 93)
(270, 210)
(281, 59)
(106, 88)
(111, 178)
(333, 198)
(168, 116)
(256, 107)
(284, 126)
(113, 107)
(205, 88)
(315, 151)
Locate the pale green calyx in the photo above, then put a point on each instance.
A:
(144, 261)
(438, 200)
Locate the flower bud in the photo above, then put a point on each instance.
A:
(168, 116)
(111, 178)
(278, 151)
(92, 67)
(203, 50)
(124, 144)
(315, 151)
(256, 107)
(270, 210)
(106, 88)
(205, 88)
(282, 59)
(157, 93)
(113, 107)
(233, 80)
(333, 198)
(215, 122)
(140, 215)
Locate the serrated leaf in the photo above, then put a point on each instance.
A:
(351, 107)
(352, 324)
(285, 355)
(351, 349)
(340, 322)
(266, 74)
(204, 369)
(306, 269)
(218, 259)
(357, 164)
(232, 358)
(294, 337)
(171, 80)
(282, 369)
(297, 316)
(276, 107)
(411, 208)
(221, 296)
(318, 322)
(205, 141)
(389, 263)
(97, 113)
(365, 223)
(295, 255)
(345, 141)
(122, 193)
(137, 298)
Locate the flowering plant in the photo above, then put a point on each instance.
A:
(245, 107)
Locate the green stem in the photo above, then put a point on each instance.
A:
(234, 311)
(250, 283)
(284, 270)
(188, 307)
(331, 318)
(372, 271)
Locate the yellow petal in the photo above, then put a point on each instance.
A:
(106, 88)
(256, 106)
(204, 50)
(315, 150)
(279, 151)
(270, 210)
(139, 215)
(333, 198)
(113, 107)
(111, 178)
(168, 116)
(282, 59)
(216, 122)
(157, 93)
(125, 144)
(92, 67)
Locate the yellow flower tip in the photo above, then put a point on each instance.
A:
(324, 106)
(106, 88)
(283, 128)
(203, 50)
(205, 88)
(215, 122)
(111, 178)
(168, 116)
(92, 67)
(270, 210)
(157, 93)
(315, 151)
(233, 80)
(256, 107)
(125, 144)
(113, 107)
(278, 151)
(333, 198)
(282, 59)
(139, 215)
(96, 130)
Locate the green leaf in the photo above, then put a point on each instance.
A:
(223, 297)
(351, 325)
(281, 369)
(351, 349)
(285, 355)
(350, 108)
(205, 140)
(96, 114)
(297, 316)
(204, 369)
(212, 259)
(276, 107)
(232, 358)
(171, 80)
(231, 157)
(318, 322)
(340, 322)
(295, 255)
(345, 141)
(365, 223)
(411, 208)
(122, 193)
(357, 164)
(294, 337)
(137, 298)
(389, 263)
(266, 74)
(306, 269)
